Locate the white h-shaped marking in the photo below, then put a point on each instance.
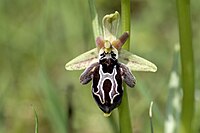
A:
(103, 76)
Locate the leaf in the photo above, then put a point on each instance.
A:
(83, 61)
(136, 63)
(95, 22)
(173, 104)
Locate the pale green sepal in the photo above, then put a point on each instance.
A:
(136, 63)
(110, 26)
(83, 61)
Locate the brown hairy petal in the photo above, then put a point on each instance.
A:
(119, 42)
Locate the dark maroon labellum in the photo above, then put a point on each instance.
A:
(107, 85)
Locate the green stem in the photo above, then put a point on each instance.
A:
(124, 114)
(125, 20)
(185, 33)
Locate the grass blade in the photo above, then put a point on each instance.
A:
(151, 116)
(36, 121)
(174, 97)
(95, 22)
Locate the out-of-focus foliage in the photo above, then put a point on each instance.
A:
(37, 38)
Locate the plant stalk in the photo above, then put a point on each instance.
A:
(124, 114)
(187, 64)
(125, 20)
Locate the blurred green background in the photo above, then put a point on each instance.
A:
(37, 38)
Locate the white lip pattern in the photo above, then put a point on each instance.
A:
(113, 91)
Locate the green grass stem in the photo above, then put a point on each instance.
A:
(36, 121)
(187, 64)
(125, 20)
(124, 114)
